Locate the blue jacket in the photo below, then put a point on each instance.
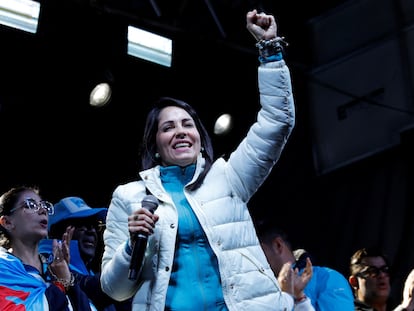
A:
(329, 290)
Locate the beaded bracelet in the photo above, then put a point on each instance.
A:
(67, 283)
(269, 48)
(62, 282)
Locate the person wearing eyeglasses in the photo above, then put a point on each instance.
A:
(28, 280)
(370, 280)
(85, 247)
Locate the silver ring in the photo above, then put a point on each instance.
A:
(58, 259)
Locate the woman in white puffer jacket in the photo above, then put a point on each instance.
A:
(203, 252)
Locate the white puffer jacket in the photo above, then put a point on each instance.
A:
(221, 207)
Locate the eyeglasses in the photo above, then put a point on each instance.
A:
(86, 226)
(373, 272)
(33, 206)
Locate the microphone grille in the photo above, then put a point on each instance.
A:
(150, 202)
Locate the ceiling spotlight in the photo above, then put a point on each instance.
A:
(223, 124)
(100, 95)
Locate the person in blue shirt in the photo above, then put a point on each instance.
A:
(85, 247)
(328, 289)
(28, 280)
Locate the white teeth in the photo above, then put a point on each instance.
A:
(182, 145)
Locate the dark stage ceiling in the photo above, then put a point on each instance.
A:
(50, 134)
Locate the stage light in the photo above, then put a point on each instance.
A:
(223, 124)
(149, 46)
(20, 14)
(100, 95)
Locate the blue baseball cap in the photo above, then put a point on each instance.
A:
(74, 207)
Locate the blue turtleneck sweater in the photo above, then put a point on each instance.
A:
(195, 280)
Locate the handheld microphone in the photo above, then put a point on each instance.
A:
(140, 240)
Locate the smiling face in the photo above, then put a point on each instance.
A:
(178, 140)
(25, 224)
(86, 235)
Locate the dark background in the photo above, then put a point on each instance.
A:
(345, 179)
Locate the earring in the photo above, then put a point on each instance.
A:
(157, 155)
(202, 149)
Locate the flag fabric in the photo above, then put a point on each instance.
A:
(20, 290)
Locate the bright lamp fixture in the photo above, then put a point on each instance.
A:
(149, 46)
(20, 14)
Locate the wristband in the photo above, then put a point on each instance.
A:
(60, 286)
(271, 58)
(271, 47)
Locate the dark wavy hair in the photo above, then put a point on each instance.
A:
(148, 147)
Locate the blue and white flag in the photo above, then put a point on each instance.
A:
(19, 289)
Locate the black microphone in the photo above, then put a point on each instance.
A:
(140, 240)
